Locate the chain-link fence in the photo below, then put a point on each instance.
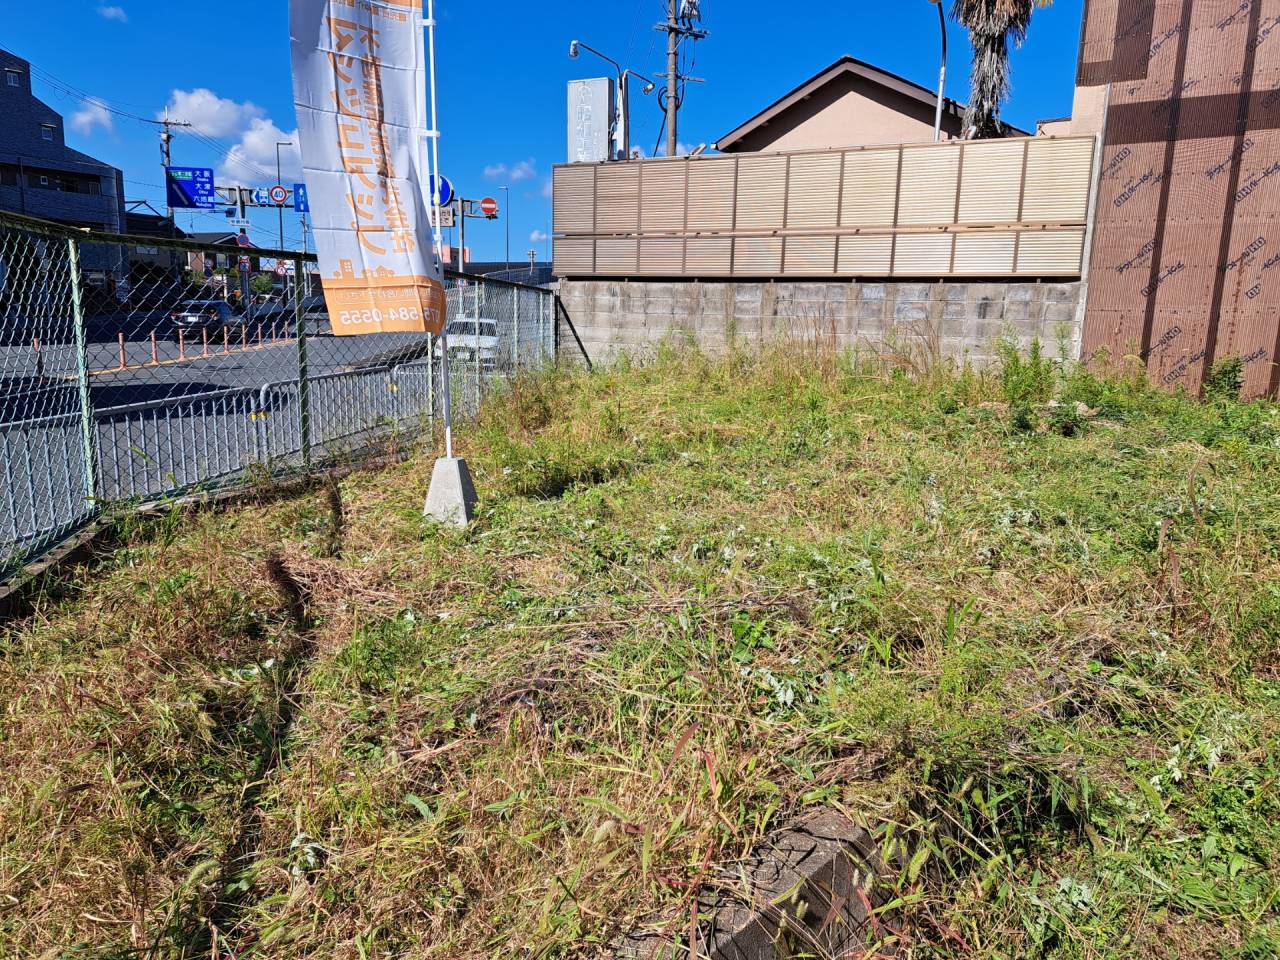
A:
(134, 368)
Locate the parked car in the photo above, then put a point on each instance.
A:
(314, 306)
(193, 317)
(473, 340)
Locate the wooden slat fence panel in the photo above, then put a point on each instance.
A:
(1012, 207)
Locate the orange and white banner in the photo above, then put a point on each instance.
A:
(359, 81)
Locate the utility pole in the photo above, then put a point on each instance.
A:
(681, 15)
(673, 76)
(166, 137)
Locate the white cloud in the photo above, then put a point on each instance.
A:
(548, 189)
(92, 114)
(253, 159)
(114, 13)
(210, 114)
(539, 237)
(524, 170)
(682, 149)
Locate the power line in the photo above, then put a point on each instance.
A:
(229, 155)
(226, 152)
(73, 91)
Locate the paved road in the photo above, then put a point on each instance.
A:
(34, 386)
(166, 422)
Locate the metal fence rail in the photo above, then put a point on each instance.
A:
(135, 368)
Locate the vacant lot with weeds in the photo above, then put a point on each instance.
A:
(1027, 620)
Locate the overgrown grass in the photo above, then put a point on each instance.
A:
(1028, 619)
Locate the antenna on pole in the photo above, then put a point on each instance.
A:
(682, 15)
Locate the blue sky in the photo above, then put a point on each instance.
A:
(503, 68)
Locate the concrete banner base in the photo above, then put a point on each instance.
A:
(451, 499)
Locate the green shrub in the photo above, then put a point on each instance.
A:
(947, 402)
(1065, 419)
(1112, 397)
(1023, 417)
(1025, 381)
(548, 467)
(1225, 380)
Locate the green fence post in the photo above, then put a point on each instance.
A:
(475, 342)
(82, 378)
(515, 323)
(304, 376)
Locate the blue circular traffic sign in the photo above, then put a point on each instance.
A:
(441, 191)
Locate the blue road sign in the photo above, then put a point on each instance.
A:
(190, 188)
(441, 191)
(300, 202)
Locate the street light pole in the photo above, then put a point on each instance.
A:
(942, 72)
(622, 130)
(506, 218)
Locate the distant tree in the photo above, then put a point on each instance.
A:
(991, 24)
(261, 284)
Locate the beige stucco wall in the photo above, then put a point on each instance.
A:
(848, 112)
(1089, 111)
(1054, 128)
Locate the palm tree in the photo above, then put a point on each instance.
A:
(991, 23)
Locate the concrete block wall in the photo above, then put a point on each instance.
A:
(927, 321)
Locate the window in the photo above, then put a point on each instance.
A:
(73, 185)
(13, 78)
(44, 181)
(46, 132)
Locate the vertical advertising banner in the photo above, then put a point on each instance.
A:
(359, 85)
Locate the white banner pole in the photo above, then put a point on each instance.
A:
(434, 135)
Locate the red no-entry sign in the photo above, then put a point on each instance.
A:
(489, 207)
